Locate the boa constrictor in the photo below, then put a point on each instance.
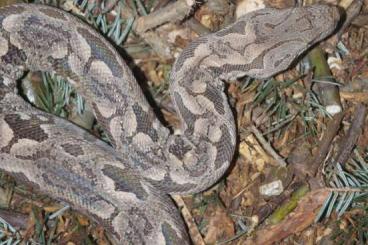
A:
(125, 186)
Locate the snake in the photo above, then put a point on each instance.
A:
(126, 185)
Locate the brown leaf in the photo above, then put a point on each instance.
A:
(300, 219)
(220, 226)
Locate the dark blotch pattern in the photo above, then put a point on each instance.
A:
(104, 122)
(188, 53)
(14, 56)
(110, 91)
(144, 124)
(73, 149)
(125, 181)
(256, 64)
(45, 153)
(60, 175)
(27, 128)
(215, 95)
(22, 178)
(179, 149)
(168, 182)
(139, 226)
(3, 90)
(224, 151)
(141, 219)
(132, 234)
(186, 114)
(62, 68)
(170, 235)
(102, 51)
(239, 26)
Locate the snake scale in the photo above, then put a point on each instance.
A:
(126, 186)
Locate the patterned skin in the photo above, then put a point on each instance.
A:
(126, 186)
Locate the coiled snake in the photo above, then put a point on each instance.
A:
(125, 187)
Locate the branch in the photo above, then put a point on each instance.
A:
(176, 11)
(351, 138)
(266, 145)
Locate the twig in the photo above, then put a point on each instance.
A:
(353, 8)
(243, 190)
(193, 229)
(161, 46)
(173, 12)
(176, 11)
(324, 145)
(267, 146)
(351, 138)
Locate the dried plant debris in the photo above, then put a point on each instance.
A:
(300, 173)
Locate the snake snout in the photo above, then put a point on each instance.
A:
(336, 13)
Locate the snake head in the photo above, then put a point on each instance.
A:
(314, 23)
(282, 35)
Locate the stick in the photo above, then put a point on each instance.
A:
(266, 145)
(333, 127)
(176, 11)
(354, 132)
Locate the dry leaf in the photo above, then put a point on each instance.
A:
(302, 217)
(220, 227)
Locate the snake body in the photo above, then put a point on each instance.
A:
(125, 186)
